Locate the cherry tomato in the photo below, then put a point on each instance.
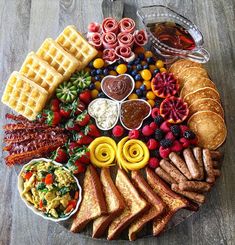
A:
(49, 179)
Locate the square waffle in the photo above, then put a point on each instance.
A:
(39, 71)
(24, 96)
(57, 57)
(75, 44)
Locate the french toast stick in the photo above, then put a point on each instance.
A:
(157, 205)
(114, 201)
(93, 203)
(135, 205)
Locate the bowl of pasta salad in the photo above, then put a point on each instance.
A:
(49, 189)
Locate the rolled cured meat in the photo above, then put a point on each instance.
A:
(127, 25)
(125, 53)
(109, 55)
(125, 39)
(110, 25)
(94, 27)
(95, 40)
(109, 40)
(141, 37)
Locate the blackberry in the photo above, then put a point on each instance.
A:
(159, 120)
(166, 143)
(158, 103)
(190, 135)
(175, 129)
(159, 134)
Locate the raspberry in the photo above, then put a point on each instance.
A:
(164, 152)
(190, 135)
(155, 112)
(185, 142)
(166, 143)
(158, 120)
(118, 131)
(147, 131)
(159, 134)
(152, 144)
(175, 129)
(183, 128)
(194, 141)
(170, 136)
(153, 162)
(176, 146)
(165, 127)
(134, 134)
(153, 126)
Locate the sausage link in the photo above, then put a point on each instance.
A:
(195, 186)
(180, 164)
(216, 164)
(217, 173)
(165, 176)
(216, 155)
(191, 163)
(197, 152)
(208, 165)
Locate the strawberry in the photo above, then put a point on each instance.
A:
(147, 131)
(60, 155)
(65, 110)
(194, 141)
(152, 144)
(153, 126)
(153, 162)
(176, 146)
(70, 125)
(71, 147)
(85, 96)
(80, 167)
(83, 139)
(82, 154)
(134, 134)
(185, 142)
(170, 136)
(165, 126)
(164, 152)
(53, 118)
(118, 131)
(55, 105)
(155, 112)
(92, 130)
(78, 107)
(83, 119)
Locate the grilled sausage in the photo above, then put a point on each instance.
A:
(165, 176)
(208, 165)
(196, 186)
(197, 152)
(216, 155)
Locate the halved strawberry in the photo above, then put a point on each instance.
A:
(60, 155)
(92, 130)
(83, 119)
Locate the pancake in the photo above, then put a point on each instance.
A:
(209, 128)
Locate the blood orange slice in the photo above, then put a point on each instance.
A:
(164, 85)
(174, 110)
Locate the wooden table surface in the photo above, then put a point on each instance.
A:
(23, 27)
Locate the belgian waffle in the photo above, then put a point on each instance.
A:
(24, 96)
(39, 71)
(75, 44)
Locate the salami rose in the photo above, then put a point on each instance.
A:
(109, 40)
(94, 27)
(95, 40)
(125, 53)
(140, 37)
(127, 25)
(109, 56)
(125, 39)
(110, 25)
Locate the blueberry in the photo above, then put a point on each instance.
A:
(91, 65)
(134, 72)
(139, 67)
(110, 67)
(145, 66)
(141, 56)
(137, 61)
(97, 77)
(106, 71)
(143, 98)
(150, 60)
(93, 73)
(99, 71)
(91, 86)
(101, 95)
(129, 67)
(139, 92)
(155, 72)
(115, 67)
(137, 77)
(131, 63)
(143, 87)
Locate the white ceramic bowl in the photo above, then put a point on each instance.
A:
(127, 101)
(118, 112)
(36, 211)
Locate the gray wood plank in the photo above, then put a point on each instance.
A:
(25, 24)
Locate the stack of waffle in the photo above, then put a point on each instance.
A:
(28, 90)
